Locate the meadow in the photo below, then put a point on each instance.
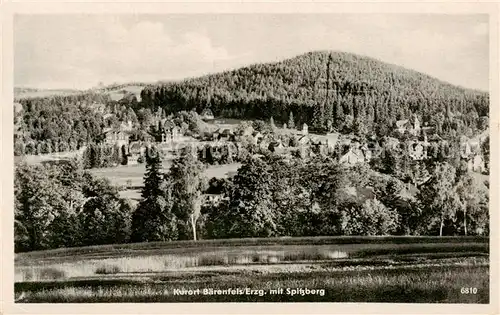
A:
(131, 177)
(340, 269)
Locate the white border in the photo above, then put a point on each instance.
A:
(8, 9)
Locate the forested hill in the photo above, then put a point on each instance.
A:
(323, 88)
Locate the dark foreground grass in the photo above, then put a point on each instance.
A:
(436, 284)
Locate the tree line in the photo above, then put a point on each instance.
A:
(274, 197)
(61, 205)
(271, 196)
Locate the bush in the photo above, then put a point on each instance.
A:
(107, 269)
(372, 218)
(52, 274)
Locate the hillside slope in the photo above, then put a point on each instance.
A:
(115, 91)
(21, 92)
(324, 86)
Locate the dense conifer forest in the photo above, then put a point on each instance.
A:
(323, 89)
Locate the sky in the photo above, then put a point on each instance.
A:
(79, 51)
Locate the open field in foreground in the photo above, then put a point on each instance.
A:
(133, 175)
(340, 269)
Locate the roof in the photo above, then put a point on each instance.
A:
(435, 137)
(276, 143)
(247, 131)
(354, 153)
(401, 123)
(207, 112)
(304, 139)
(136, 146)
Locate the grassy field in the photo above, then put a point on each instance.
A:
(117, 94)
(133, 175)
(120, 175)
(20, 93)
(341, 269)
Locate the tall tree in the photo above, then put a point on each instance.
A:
(371, 218)
(328, 115)
(291, 121)
(250, 209)
(105, 216)
(153, 219)
(438, 196)
(468, 195)
(38, 201)
(153, 178)
(189, 181)
(271, 123)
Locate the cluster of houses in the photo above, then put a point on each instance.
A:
(121, 137)
(348, 149)
(470, 148)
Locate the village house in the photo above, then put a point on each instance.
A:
(247, 131)
(257, 137)
(135, 150)
(412, 126)
(147, 137)
(304, 140)
(264, 144)
(98, 108)
(170, 135)
(470, 165)
(352, 156)
(478, 164)
(107, 116)
(212, 199)
(305, 130)
(416, 150)
(116, 137)
(276, 147)
(215, 135)
(318, 146)
(332, 139)
(390, 143)
(226, 135)
(367, 152)
(465, 149)
(207, 114)
(401, 125)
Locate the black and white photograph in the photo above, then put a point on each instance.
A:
(251, 157)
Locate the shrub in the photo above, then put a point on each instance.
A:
(107, 269)
(372, 218)
(51, 274)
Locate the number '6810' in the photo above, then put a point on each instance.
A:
(468, 290)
